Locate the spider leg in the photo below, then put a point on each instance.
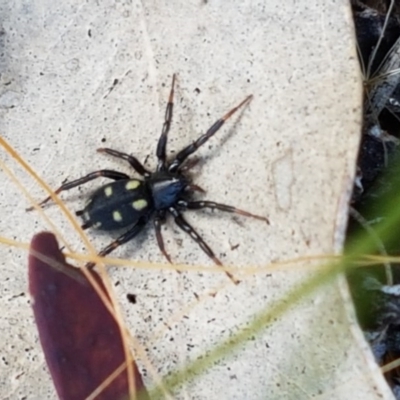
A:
(126, 237)
(159, 220)
(105, 173)
(197, 205)
(162, 142)
(186, 227)
(195, 188)
(187, 151)
(186, 167)
(190, 164)
(133, 161)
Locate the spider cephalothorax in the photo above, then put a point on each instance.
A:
(131, 202)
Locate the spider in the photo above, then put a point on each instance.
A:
(131, 202)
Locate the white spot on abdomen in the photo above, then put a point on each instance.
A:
(131, 185)
(139, 205)
(117, 217)
(108, 191)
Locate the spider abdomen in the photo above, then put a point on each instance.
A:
(117, 205)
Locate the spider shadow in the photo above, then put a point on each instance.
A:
(129, 249)
(228, 135)
(213, 151)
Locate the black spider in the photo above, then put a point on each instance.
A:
(131, 202)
